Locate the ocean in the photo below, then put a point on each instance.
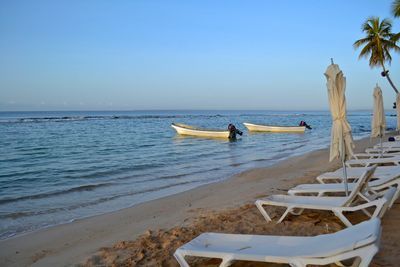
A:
(56, 167)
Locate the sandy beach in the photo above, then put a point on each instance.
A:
(129, 128)
(148, 234)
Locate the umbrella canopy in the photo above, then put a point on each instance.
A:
(398, 111)
(378, 120)
(341, 139)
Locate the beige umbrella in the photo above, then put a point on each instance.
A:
(398, 111)
(341, 139)
(378, 119)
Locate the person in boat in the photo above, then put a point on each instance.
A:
(303, 123)
(233, 131)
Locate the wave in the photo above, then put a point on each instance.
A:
(361, 129)
(175, 176)
(166, 116)
(292, 148)
(20, 214)
(279, 115)
(102, 117)
(91, 187)
(88, 187)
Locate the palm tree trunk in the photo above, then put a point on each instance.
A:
(391, 83)
(386, 74)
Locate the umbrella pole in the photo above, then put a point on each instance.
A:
(343, 157)
(346, 186)
(381, 147)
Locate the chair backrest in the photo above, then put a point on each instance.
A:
(361, 185)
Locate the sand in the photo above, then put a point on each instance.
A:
(148, 234)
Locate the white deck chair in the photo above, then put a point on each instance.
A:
(360, 241)
(354, 173)
(394, 150)
(374, 155)
(376, 189)
(395, 144)
(393, 161)
(338, 205)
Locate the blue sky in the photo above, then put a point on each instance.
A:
(129, 55)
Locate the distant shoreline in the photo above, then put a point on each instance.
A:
(183, 110)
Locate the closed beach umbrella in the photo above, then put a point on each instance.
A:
(378, 119)
(341, 139)
(398, 111)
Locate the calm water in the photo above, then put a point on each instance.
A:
(59, 166)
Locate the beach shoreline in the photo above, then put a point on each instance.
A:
(72, 243)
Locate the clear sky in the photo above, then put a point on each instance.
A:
(129, 55)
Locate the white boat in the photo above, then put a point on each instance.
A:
(184, 129)
(270, 128)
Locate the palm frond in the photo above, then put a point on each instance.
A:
(396, 37)
(396, 8)
(379, 41)
(361, 42)
(366, 51)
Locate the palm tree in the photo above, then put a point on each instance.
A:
(396, 8)
(377, 45)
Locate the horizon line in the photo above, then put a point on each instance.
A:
(143, 110)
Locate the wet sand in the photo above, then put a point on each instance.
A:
(148, 234)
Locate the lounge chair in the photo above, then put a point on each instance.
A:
(387, 150)
(392, 161)
(394, 144)
(374, 155)
(375, 189)
(354, 173)
(359, 242)
(338, 205)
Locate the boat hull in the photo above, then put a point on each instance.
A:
(278, 129)
(183, 129)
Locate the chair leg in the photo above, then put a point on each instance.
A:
(343, 218)
(297, 264)
(263, 211)
(366, 212)
(181, 259)
(300, 211)
(356, 262)
(366, 260)
(226, 262)
(395, 197)
(379, 210)
(341, 264)
(288, 209)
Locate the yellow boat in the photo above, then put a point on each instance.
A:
(184, 129)
(269, 128)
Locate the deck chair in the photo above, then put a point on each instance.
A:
(393, 161)
(354, 173)
(386, 150)
(376, 188)
(338, 205)
(374, 155)
(359, 242)
(395, 144)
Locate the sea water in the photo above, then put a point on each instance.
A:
(59, 166)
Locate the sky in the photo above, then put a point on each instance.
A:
(142, 55)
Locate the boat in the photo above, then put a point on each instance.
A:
(184, 129)
(272, 128)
